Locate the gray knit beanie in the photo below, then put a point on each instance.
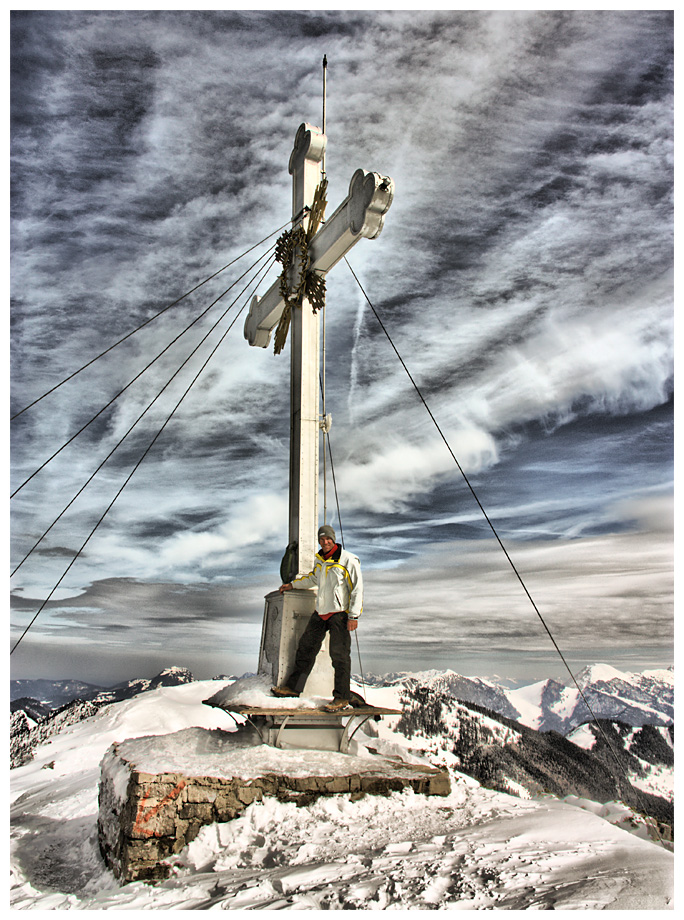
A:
(326, 531)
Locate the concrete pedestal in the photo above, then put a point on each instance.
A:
(285, 619)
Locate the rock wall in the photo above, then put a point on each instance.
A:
(145, 818)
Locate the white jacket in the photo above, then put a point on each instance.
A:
(339, 583)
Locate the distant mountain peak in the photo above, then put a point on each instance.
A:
(171, 677)
(600, 673)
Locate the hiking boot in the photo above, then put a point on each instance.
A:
(283, 691)
(338, 706)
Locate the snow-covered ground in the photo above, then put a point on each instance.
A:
(474, 850)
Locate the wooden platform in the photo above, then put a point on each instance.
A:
(303, 711)
(305, 727)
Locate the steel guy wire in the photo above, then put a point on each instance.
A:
(339, 518)
(486, 517)
(146, 323)
(263, 270)
(138, 375)
(129, 477)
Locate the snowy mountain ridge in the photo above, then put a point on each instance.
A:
(32, 722)
(506, 755)
(634, 698)
(548, 705)
(56, 693)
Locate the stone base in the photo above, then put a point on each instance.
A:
(155, 797)
(285, 619)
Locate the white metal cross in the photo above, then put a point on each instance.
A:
(361, 214)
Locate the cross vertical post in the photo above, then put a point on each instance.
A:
(360, 216)
(305, 169)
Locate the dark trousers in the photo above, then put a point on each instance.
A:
(310, 645)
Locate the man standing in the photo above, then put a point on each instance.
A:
(339, 602)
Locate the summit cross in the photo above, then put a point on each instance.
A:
(361, 215)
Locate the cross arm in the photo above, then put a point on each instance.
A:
(361, 215)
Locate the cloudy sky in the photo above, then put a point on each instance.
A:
(524, 274)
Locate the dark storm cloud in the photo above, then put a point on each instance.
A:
(123, 603)
(523, 273)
